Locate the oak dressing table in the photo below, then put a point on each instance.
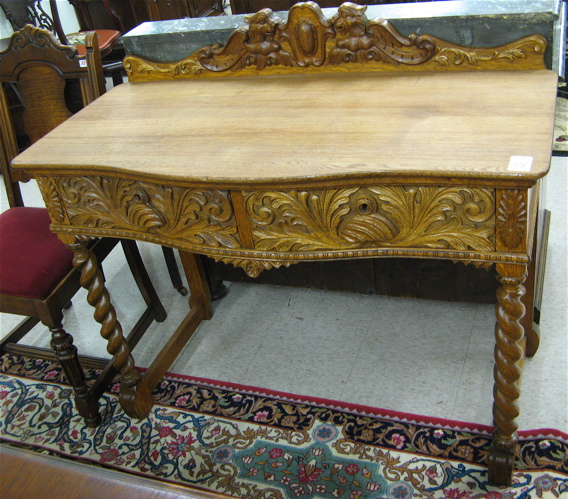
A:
(314, 139)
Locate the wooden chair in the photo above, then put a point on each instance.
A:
(37, 279)
(22, 12)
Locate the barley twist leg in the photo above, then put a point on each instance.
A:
(509, 356)
(105, 314)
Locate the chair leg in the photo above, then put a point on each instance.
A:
(142, 278)
(173, 270)
(66, 354)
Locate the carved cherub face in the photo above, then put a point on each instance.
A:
(350, 20)
(264, 21)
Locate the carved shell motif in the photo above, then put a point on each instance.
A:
(196, 217)
(512, 218)
(387, 216)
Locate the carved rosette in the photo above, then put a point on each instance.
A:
(366, 217)
(117, 206)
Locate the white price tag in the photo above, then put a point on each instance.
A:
(520, 164)
(83, 63)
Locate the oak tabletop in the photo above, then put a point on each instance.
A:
(276, 128)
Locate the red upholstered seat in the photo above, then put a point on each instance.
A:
(107, 39)
(33, 261)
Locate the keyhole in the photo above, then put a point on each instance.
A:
(364, 208)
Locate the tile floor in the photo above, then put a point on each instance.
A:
(424, 357)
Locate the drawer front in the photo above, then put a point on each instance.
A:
(446, 218)
(143, 210)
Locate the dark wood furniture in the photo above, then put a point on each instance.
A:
(37, 279)
(161, 10)
(22, 12)
(30, 474)
(19, 13)
(318, 139)
(249, 6)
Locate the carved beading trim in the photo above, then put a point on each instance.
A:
(456, 218)
(115, 206)
(310, 41)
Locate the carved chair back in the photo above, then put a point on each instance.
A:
(38, 67)
(310, 43)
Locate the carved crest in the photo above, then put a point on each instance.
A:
(359, 40)
(27, 41)
(308, 40)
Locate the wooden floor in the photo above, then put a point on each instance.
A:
(26, 474)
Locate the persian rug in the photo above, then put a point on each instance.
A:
(253, 443)
(560, 144)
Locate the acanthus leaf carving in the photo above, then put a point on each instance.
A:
(194, 216)
(51, 198)
(386, 216)
(451, 55)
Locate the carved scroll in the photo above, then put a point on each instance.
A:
(26, 41)
(310, 41)
(115, 206)
(362, 217)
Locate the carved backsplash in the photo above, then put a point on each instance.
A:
(347, 40)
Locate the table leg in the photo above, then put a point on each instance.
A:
(135, 397)
(509, 356)
(532, 331)
(66, 354)
(197, 281)
(200, 309)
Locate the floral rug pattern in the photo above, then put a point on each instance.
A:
(561, 126)
(252, 443)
